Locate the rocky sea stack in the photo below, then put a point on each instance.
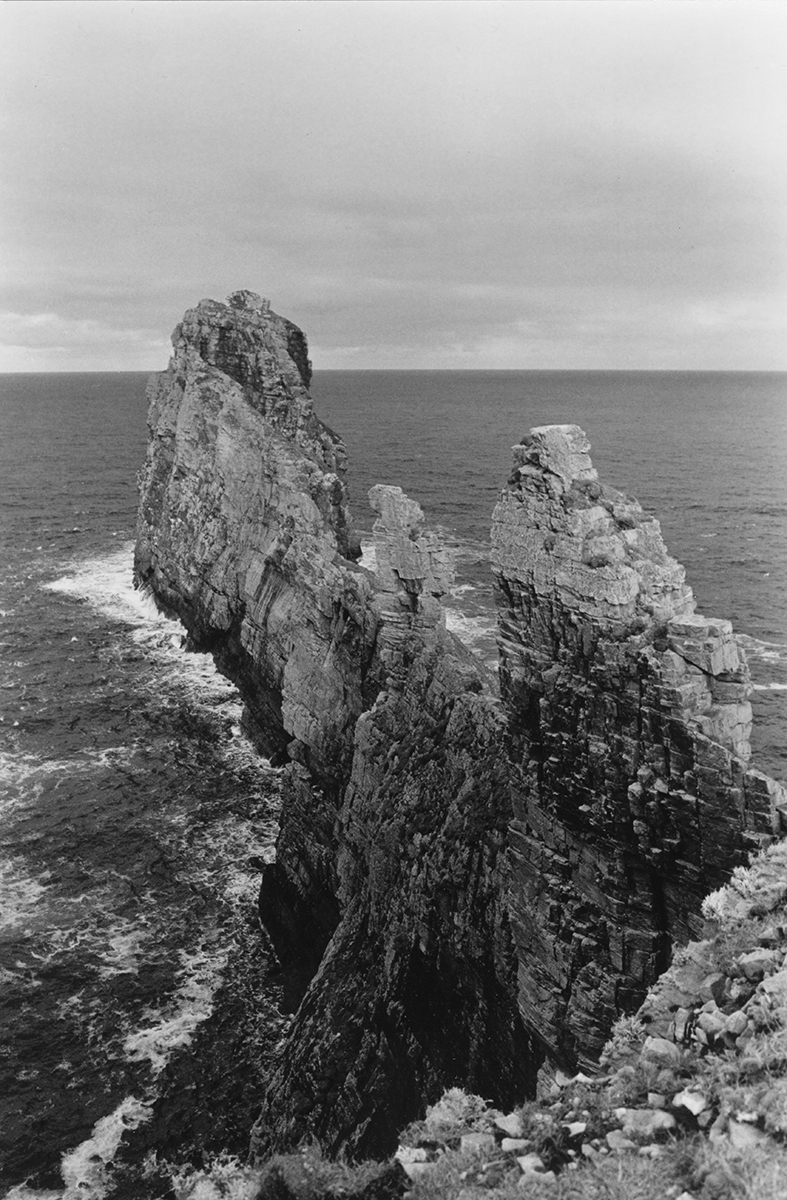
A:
(474, 876)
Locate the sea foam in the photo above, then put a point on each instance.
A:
(173, 1026)
(84, 1169)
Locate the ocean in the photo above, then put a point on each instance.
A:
(134, 817)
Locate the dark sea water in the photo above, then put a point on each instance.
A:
(132, 812)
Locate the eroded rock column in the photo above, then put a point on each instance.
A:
(628, 734)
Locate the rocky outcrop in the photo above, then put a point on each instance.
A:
(628, 736)
(244, 534)
(472, 881)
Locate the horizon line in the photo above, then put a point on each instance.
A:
(455, 370)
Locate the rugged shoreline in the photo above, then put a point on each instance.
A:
(480, 884)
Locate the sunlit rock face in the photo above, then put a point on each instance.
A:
(470, 881)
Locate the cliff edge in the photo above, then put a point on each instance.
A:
(473, 883)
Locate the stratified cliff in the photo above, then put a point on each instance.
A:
(628, 726)
(478, 882)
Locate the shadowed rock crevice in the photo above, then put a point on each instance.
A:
(470, 882)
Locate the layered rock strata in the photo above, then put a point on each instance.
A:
(477, 882)
(628, 724)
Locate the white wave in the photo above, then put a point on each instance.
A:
(16, 979)
(763, 650)
(84, 1169)
(125, 940)
(23, 1192)
(469, 630)
(18, 768)
(224, 1179)
(174, 1025)
(23, 781)
(763, 655)
(107, 583)
(20, 893)
(770, 687)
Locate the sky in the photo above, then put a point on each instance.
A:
(449, 184)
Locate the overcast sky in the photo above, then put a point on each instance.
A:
(469, 183)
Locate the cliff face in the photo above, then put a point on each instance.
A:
(244, 530)
(244, 534)
(628, 734)
(476, 882)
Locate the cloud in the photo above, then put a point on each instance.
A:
(488, 179)
(598, 330)
(50, 342)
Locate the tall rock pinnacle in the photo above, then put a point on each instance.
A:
(628, 731)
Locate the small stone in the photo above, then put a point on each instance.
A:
(666, 1081)
(736, 1023)
(511, 1125)
(775, 987)
(712, 986)
(656, 1100)
(575, 1128)
(743, 1136)
(717, 1129)
(712, 1023)
(531, 1164)
(716, 1183)
(476, 1143)
(693, 1102)
(659, 1050)
(543, 1177)
(624, 1074)
(741, 990)
(757, 963)
(416, 1170)
(616, 1140)
(644, 1123)
(680, 1022)
(411, 1154)
(589, 1151)
(509, 1144)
